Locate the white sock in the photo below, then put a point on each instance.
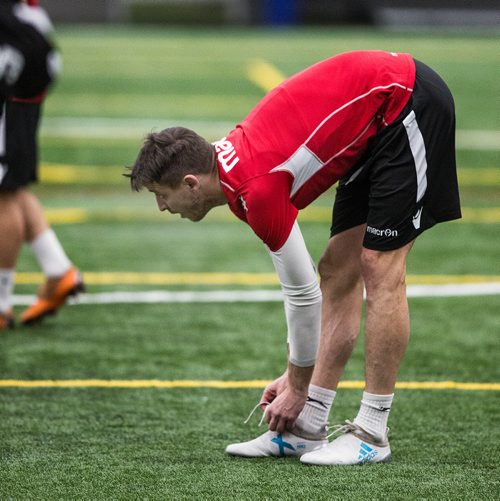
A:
(374, 413)
(50, 254)
(313, 419)
(6, 287)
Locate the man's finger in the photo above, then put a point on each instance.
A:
(273, 422)
(264, 402)
(290, 423)
(281, 425)
(268, 395)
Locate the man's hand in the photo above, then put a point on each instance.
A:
(274, 389)
(290, 394)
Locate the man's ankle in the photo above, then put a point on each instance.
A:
(308, 432)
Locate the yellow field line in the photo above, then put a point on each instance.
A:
(67, 216)
(113, 174)
(310, 214)
(483, 176)
(73, 174)
(220, 278)
(156, 383)
(488, 215)
(480, 215)
(132, 278)
(264, 75)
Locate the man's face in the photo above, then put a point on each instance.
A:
(186, 199)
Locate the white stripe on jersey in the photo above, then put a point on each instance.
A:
(352, 101)
(417, 147)
(304, 164)
(227, 186)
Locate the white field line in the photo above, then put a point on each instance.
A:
(125, 128)
(253, 296)
(131, 128)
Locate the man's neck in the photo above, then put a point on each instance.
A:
(213, 190)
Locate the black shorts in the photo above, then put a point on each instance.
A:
(18, 144)
(407, 180)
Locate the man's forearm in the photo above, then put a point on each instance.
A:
(299, 378)
(302, 298)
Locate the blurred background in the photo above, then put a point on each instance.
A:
(400, 14)
(133, 66)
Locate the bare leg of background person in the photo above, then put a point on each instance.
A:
(11, 240)
(62, 279)
(33, 215)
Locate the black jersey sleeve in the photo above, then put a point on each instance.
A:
(28, 60)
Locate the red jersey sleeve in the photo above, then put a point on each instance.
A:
(268, 209)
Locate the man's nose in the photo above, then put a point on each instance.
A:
(161, 203)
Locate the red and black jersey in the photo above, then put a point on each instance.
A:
(307, 133)
(40, 97)
(26, 55)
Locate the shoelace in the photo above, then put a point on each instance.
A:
(347, 427)
(253, 412)
(339, 429)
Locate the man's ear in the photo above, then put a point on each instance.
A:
(192, 181)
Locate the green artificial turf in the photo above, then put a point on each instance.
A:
(112, 443)
(169, 443)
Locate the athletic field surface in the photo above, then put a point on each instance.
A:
(134, 390)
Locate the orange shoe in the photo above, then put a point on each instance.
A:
(52, 295)
(6, 320)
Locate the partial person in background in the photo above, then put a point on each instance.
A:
(21, 214)
(29, 60)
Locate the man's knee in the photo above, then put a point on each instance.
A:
(383, 271)
(326, 267)
(339, 273)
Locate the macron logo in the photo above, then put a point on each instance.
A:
(226, 154)
(382, 233)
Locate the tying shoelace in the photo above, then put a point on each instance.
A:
(253, 412)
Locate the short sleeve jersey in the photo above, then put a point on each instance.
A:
(26, 68)
(306, 134)
(39, 98)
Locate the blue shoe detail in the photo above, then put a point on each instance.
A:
(366, 453)
(278, 440)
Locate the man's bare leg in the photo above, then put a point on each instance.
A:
(34, 217)
(12, 228)
(62, 279)
(344, 268)
(387, 317)
(11, 237)
(342, 289)
(386, 338)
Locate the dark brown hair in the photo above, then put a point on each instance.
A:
(169, 155)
